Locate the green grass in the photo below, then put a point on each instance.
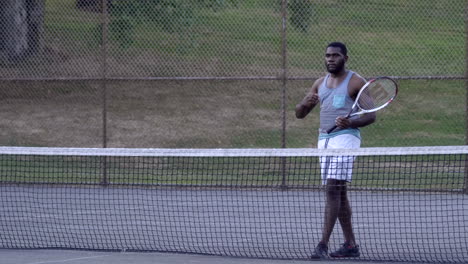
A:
(392, 37)
(395, 37)
(426, 120)
(392, 172)
(425, 113)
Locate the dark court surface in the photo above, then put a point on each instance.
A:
(268, 224)
(49, 256)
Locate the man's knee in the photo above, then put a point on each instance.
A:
(333, 191)
(336, 185)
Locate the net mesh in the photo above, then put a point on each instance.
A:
(409, 204)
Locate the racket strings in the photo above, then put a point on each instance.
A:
(377, 94)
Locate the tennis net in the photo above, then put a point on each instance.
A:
(409, 204)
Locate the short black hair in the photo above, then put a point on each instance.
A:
(340, 45)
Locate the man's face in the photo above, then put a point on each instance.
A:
(334, 60)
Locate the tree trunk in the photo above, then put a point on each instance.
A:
(14, 28)
(92, 5)
(36, 10)
(21, 27)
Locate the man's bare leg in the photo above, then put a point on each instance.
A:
(344, 217)
(332, 208)
(349, 249)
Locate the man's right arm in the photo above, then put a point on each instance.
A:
(309, 102)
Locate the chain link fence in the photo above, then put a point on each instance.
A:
(221, 73)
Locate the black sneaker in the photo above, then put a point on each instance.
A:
(320, 252)
(346, 251)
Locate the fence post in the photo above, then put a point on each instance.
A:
(465, 186)
(284, 78)
(103, 82)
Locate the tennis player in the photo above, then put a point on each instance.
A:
(336, 93)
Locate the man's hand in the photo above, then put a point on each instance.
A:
(309, 101)
(343, 122)
(312, 99)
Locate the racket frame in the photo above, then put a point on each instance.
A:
(363, 111)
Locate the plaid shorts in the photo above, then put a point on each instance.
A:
(338, 167)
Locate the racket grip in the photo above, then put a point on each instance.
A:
(331, 129)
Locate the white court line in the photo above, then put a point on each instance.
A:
(67, 260)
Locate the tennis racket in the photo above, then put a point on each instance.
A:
(373, 96)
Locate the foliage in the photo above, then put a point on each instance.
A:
(172, 16)
(177, 16)
(301, 14)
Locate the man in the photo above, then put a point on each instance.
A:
(336, 93)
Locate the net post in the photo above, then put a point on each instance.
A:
(104, 44)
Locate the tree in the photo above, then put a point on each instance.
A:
(92, 5)
(301, 14)
(172, 16)
(21, 27)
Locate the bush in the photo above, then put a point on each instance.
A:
(301, 13)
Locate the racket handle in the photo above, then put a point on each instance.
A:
(331, 129)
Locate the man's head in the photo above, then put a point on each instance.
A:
(336, 56)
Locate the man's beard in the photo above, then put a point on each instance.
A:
(338, 68)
